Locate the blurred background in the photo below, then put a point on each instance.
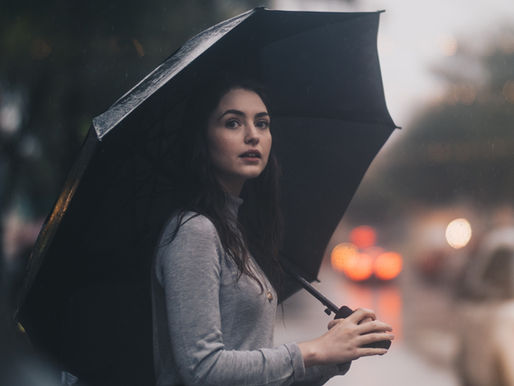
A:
(427, 242)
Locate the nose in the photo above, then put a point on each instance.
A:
(251, 135)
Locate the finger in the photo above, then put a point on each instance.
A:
(366, 320)
(373, 338)
(332, 323)
(335, 322)
(369, 351)
(374, 326)
(360, 314)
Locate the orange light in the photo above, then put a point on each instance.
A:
(363, 236)
(359, 267)
(341, 255)
(374, 251)
(388, 265)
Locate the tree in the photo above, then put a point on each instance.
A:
(460, 147)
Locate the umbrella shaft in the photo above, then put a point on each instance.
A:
(331, 307)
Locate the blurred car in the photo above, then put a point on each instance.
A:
(486, 313)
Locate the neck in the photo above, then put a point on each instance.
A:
(232, 187)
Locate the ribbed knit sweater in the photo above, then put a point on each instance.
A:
(212, 326)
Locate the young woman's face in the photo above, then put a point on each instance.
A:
(239, 138)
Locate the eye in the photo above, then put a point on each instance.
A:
(262, 124)
(232, 123)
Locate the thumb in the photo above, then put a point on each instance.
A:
(332, 323)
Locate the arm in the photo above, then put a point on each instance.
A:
(319, 375)
(189, 271)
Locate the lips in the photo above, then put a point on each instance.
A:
(251, 154)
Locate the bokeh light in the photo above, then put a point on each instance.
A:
(363, 236)
(341, 256)
(388, 265)
(359, 267)
(458, 233)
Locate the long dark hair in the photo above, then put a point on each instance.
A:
(258, 228)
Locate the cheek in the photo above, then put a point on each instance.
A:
(213, 146)
(215, 153)
(219, 150)
(268, 141)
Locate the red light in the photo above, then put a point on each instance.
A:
(363, 236)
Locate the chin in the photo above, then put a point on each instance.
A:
(249, 176)
(253, 174)
(249, 173)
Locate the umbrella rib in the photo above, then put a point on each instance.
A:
(339, 119)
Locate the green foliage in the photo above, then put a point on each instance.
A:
(460, 148)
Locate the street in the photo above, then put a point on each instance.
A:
(421, 357)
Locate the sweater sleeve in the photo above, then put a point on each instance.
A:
(189, 271)
(319, 375)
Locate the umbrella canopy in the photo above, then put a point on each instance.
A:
(87, 295)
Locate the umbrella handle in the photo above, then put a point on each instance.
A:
(288, 268)
(342, 312)
(345, 312)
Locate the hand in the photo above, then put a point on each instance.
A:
(342, 343)
(366, 319)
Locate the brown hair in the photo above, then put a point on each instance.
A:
(259, 221)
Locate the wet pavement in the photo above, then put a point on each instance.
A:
(423, 350)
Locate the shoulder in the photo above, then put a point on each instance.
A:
(189, 229)
(190, 224)
(188, 241)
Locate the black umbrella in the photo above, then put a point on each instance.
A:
(87, 297)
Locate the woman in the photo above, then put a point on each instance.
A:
(214, 306)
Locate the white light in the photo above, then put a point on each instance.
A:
(10, 118)
(458, 233)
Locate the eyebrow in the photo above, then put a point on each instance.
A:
(240, 113)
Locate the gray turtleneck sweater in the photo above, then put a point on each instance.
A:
(212, 326)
